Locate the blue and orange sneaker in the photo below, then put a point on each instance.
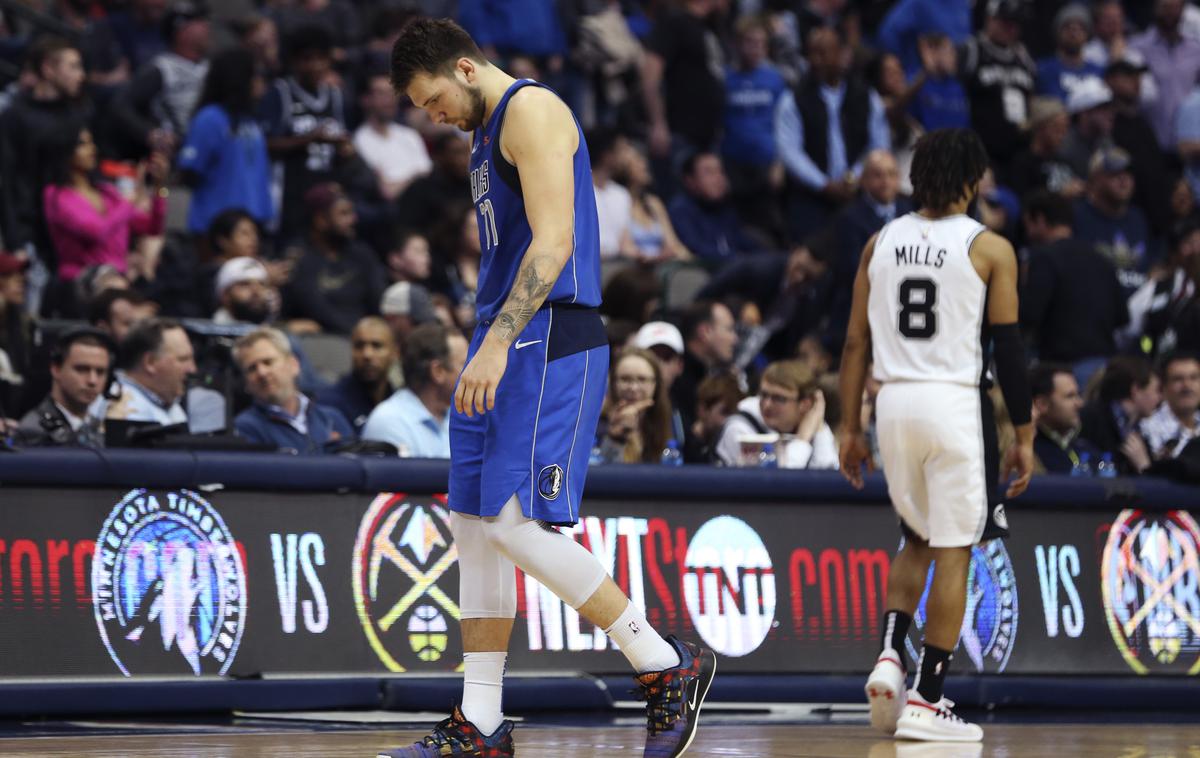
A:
(457, 736)
(674, 698)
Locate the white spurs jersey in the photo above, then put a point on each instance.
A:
(927, 303)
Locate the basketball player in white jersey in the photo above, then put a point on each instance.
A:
(935, 300)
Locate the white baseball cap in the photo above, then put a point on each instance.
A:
(407, 299)
(241, 269)
(1087, 94)
(659, 333)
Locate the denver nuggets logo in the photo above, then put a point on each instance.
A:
(403, 557)
(989, 628)
(1151, 588)
(550, 481)
(168, 586)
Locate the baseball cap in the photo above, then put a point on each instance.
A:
(11, 264)
(1073, 12)
(1125, 66)
(240, 269)
(407, 299)
(1089, 93)
(659, 333)
(1109, 160)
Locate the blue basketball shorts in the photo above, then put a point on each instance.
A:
(537, 440)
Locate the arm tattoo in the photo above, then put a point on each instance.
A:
(535, 279)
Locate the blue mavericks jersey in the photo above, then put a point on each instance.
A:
(504, 233)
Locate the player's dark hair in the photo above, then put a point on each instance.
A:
(430, 46)
(1173, 357)
(145, 338)
(1121, 375)
(945, 163)
(1041, 378)
(425, 344)
(1049, 206)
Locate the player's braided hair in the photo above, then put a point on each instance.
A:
(945, 162)
(430, 46)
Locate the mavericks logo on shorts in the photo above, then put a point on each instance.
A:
(168, 586)
(550, 481)
(404, 562)
(989, 628)
(1150, 577)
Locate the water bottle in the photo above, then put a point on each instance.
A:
(766, 458)
(1083, 467)
(671, 455)
(1106, 468)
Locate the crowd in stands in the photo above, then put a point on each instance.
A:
(193, 201)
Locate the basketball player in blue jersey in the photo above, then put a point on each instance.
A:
(527, 403)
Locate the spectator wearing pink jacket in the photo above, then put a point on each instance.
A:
(90, 222)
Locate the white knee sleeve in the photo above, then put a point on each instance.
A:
(551, 557)
(487, 584)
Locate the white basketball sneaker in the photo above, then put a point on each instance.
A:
(886, 690)
(934, 722)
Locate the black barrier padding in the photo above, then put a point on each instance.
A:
(543, 693)
(190, 696)
(280, 472)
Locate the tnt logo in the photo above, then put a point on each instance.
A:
(729, 587)
(1151, 587)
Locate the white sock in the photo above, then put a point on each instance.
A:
(641, 645)
(483, 686)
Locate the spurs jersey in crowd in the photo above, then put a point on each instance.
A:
(936, 430)
(927, 302)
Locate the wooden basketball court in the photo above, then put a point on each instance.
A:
(725, 740)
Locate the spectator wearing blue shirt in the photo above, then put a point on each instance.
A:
(372, 358)
(1106, 218)
(224, 159)
(280, 414)
(532, 27)
(938, 98)
(416, 419)
(823, 132)
(909, 20)
(1060, 74)
(703, 216)
(752, 90)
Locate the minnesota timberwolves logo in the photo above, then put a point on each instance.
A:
(1151, 587)
(550, 481)
(990, 623)
(404, 560)
(168, 586)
